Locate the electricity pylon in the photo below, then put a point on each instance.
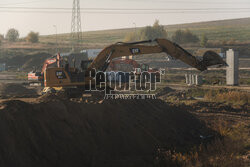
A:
(76, 28)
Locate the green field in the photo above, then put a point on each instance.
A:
(216, 31)
(223, 34)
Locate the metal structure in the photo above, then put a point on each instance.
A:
(194, 79)
(76, 27)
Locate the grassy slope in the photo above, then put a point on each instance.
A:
(237, 29)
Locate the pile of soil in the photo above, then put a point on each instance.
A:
(114, 133)
(23, 61)
(167, 94)
(165, 91)
(16, 90)
(35, 60)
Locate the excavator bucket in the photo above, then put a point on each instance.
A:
(211, 58)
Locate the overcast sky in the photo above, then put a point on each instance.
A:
(26, 20)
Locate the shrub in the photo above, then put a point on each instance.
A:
(156, 31)
(185, 36)
(147, 33)
(203, 41)
(12, 35)
(32, 37)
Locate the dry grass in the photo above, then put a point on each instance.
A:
(225, 151)
(235, 97)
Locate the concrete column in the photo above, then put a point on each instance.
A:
(199, 80)
(233, 67)
(187, 78)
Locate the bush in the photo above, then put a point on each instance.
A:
(186, 36)
(157, 31)
(12, 35)
(147, 33)
(32, 37)
(203, 41)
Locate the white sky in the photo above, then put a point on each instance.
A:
(43, 22)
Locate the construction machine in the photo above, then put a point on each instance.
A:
(58, 60)
(69, 77)
(35, 77)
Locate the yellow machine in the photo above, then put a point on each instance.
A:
(67, 77)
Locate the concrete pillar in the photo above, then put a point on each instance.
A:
(187, 79)
(193, 79)
(198, 80)
(233, 67)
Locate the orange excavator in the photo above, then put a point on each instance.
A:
(37, 77)
(68, 77)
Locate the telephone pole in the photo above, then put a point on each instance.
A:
(76, 28)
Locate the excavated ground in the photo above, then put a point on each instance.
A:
(59, 132)
(10, 90)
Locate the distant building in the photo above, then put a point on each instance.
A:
(2, 67)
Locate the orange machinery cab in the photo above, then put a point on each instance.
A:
(35, 76)
(61, 77)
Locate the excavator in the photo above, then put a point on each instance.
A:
(69, 77)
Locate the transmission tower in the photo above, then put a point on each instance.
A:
(76, 28)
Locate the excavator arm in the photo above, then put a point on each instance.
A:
(120, 49)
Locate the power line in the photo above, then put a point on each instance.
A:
(124, 9)
(113, 12)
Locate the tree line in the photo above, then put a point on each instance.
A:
(158, 31)
(12, 35)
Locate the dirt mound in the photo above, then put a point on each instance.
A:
(115, 133)
(165, 91)
(59, 96)
(13, 89)
(35, 60)
(25, 62)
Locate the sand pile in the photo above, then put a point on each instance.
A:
(115, 133)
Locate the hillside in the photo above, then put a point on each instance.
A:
(221, 30)
(222, 34)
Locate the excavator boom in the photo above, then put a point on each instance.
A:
(150, 47)
(71, 77)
